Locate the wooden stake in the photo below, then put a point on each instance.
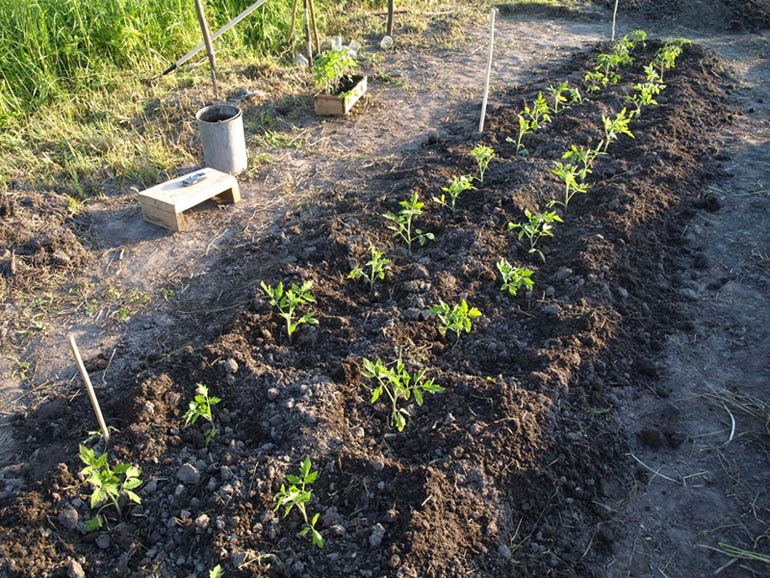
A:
(89, 389)
(307, 34)
(315, 27)
(209, 46)
(614, 16)
(489, 68)
(390, 18)
(293, 21)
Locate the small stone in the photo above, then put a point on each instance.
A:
(225, 472)
(476, 428)
(413, 314)
(622, 293)
(69, 518)
(358, 432)
(552, 309)
(504, 552)
(550, 291)
(74, 569)
(688, 294)
(337, 529)
(103, 541)
(395, 561)
(59, 257)
(378, 533)
(188, 474)
(378, 465)
(231, 366)
(272, 393)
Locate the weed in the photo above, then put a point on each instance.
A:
(297, 495)
(456, 187)
(483, 156)
(457, 318)
(613, 128)
(200, 406)
(378, 265)
(108, 487)
(398, 384)
(514, 278)
(402, 222)
(538, 225)
(568, 174)
(286, 303)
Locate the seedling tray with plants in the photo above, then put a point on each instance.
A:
(415, 387)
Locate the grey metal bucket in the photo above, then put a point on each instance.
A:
(224, 145)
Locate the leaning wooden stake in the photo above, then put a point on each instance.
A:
(293, 21)
(89, 389)
(489, 68)
(614, 16)
(390, 18)
(307, 33)
(209, 46)
(315, 27)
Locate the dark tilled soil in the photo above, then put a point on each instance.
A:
(506, 471)
(734, 15)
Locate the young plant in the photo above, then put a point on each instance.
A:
(582, 158)
(298, 494)
(330, 67)
(456, 187)
(575, 96)
(666, 56)
(595, 80)
(538, 225)
(557, 93)
(457, 318)
(402, 222)
(613, 128)
(608, 62)
(483, 156)
(286, 303)
(636, 37)
(645, 96)
(568, 174)
(378, 265)
(514, 278)
(398, 384)
(538, 113)
(107, 484)
(200, 406)
(524, 128)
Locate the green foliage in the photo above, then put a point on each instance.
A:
(636, 37)
(539, 113)
(457, 318)
(666, 56)
(200, 406)
(514, 278)
(557, 94)
(524, 128)
(107, 484)
(613, 128)
(398, 384)
(297, 495)
(538, 225)
(568, 174)
(646, 91)
(286, 302)
(216, 572)
(378, 265)
(456, 187)
(582, 158)
(483, 155)
(402, 222)
(330, 67)
(575, 96)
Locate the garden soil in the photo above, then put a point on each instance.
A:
(610, 422)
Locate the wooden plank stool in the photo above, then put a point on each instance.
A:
(164, 204)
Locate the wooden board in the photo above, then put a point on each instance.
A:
(164, 204)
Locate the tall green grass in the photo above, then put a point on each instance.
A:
(51, 47)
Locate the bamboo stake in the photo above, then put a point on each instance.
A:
(614, 16)
(489, 68)
(89, 389)
(209, 47)
(315, 27)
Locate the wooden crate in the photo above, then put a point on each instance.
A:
(333, 105)
(164, 204)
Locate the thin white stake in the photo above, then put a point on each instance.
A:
(89, 388)
(614, 16)
(489, 68)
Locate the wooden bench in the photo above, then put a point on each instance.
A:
(164, 204)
